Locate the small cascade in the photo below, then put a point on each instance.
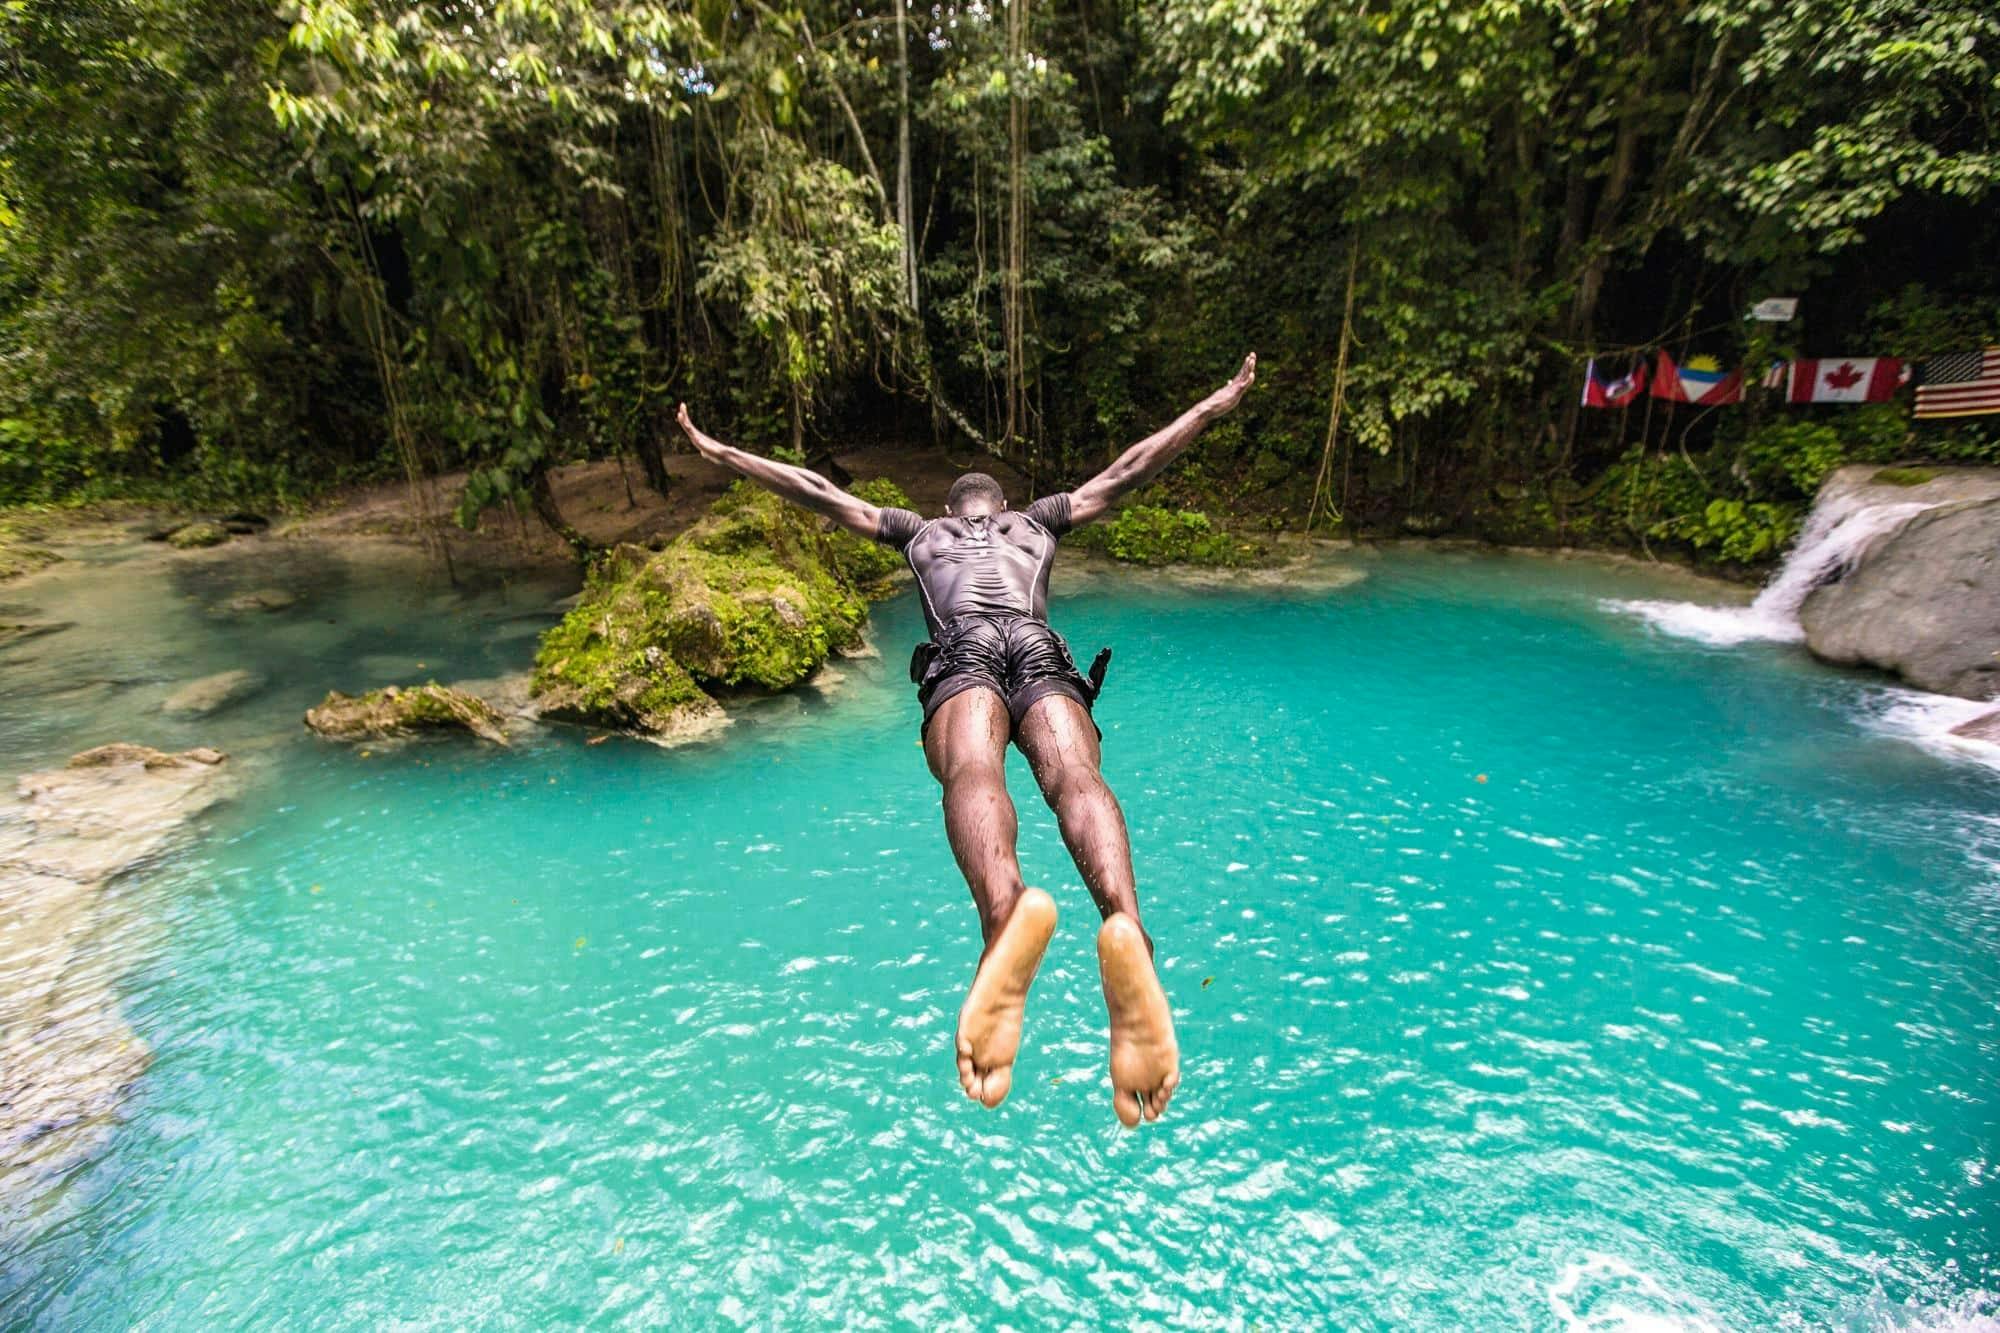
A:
(1843, 524)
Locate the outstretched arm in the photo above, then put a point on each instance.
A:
(796, 484)
(1143, 461)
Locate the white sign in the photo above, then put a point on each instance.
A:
(1775, 309)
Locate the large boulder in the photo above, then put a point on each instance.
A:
(755, 595)
(1923, 602)
(67, 1052)
(397, 711)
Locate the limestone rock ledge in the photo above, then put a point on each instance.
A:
(1923, 601)
(398, 710)
(67, 1052)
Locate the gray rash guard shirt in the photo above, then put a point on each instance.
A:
(987, 565)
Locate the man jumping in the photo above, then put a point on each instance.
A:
(995, 671)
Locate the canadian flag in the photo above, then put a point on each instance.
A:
(1853, 379)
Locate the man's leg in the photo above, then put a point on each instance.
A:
(966, 744)
(1062, 747)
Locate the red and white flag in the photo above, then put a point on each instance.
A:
(1852, 379)
(1960, 384)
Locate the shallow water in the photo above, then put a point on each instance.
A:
(1531, 969)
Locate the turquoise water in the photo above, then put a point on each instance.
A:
(1684, 1016)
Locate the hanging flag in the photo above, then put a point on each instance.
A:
(1854, 379)
(1962, 384)
(1612, 393)
(1701, 380)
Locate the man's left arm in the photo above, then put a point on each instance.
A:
(802, 487)
(1144, 460)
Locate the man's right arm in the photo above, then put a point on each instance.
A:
(796, 484)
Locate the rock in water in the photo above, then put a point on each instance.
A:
(197, 535)
(67, 1053)
(212, 694)
(1923, 602)
(756, 594)
(1985, 727)
(262, 599)
(402, 711)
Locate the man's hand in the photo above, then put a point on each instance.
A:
(1143, 461)
(706, 445)
(1230, 394)
(796, 484)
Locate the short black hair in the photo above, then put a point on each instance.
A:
(975, 484)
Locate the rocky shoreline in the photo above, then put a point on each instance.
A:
(67, 1051)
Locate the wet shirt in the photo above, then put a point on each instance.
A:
(987, 564)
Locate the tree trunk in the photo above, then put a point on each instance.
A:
(543, 497)
(653, 462)
(903, 156)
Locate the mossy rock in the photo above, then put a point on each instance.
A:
(1904, 476)
(196, 535)
(402, 711)
(868, 565)
(751, 596)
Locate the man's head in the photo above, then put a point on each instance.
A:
(975, 493)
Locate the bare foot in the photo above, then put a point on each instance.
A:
(989, 1022)
(1145, 1059)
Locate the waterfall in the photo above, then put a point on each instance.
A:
(1843, 524)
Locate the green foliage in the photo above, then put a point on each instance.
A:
(1738, 531)
(1793, 453)
(246, 253)
(1150, 535)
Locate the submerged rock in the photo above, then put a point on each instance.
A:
(212, 694)
(1923, 600)
(755, 595)
(196, 535)
(261, 599)
(67, 1052)
(12, 633)
(1985, 727)
(395, 711)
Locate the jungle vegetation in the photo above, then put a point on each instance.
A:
(249, 250)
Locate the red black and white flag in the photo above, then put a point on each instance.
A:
(1701, 380)
(1961, 384)
(1612, 393)
(1852, 379)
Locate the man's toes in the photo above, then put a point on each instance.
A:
(1127, 1105)
(998, 1083)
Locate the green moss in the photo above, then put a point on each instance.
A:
(1150, 535)
(398, 710)
(870, 566)
(749, 596)
(1903, 476)
(197, 535)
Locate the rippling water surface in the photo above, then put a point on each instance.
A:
(1532, 970)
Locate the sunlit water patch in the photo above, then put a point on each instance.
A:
(1531, 971)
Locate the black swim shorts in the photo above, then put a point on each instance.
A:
(1018, 657)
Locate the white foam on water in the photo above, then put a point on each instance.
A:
(1603, 1294)
(1842, 526)
(1928, 719)
(1964, 1312)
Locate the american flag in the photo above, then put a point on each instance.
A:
(1960, 384)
